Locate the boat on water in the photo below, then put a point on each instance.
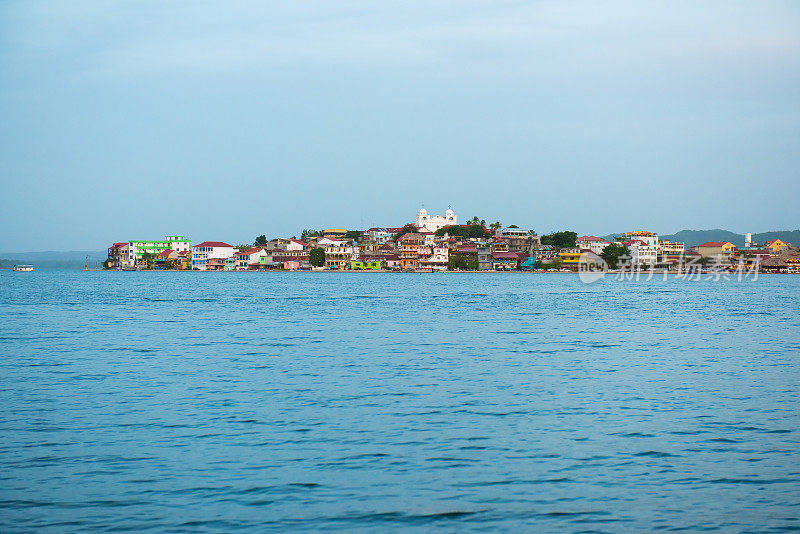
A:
(23, 268)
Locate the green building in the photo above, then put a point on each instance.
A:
(367, 265)
(138, 247)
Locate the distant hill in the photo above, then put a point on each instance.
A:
(73, 259)
(692, 238)
(789, 236)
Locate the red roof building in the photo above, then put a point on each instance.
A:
(210, 244)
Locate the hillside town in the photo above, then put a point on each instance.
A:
(439, 243)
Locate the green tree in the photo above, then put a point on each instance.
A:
(310, 233)
(148, 259)
(260, 240)
(513, 226)
(614, 252)
(565, 239)
(105, 264)
(458, 261)
(317, 257)
(472, 230)
(353, 234)
(407, 229)
(453, 231)
(495, 226)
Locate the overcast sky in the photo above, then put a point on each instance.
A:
(226, 120)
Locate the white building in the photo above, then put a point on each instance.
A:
(208, 250)
(433, 257)
(671, 248)
(296, 245)
(249, 258)
(648, 238)
(377, 235)
(338, 253)
(593, 243)
(514, 232)
(642, 253)
(437, 221)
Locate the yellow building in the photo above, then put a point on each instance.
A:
(715, 248)
(776, 245)
(334, 233)
(570, 258)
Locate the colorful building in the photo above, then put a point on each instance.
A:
(504, 261)
(211, 250)
(593, 243)
(139, 247)
(409, 250)
(715, 249)
(368, 264)
(334, 233)
(249, 258)
(118, 255)
(776, 245)
(570, 258)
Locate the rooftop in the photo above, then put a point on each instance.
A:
(209, 244)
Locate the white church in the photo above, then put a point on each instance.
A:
(437, 221)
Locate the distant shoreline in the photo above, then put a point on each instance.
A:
(386, 271)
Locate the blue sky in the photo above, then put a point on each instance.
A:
(226, 120)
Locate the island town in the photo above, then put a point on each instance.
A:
(438, 243)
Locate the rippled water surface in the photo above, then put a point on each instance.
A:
(256, 401)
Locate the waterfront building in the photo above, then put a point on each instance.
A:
(670, 248)
(118, 255)
(776, 245)
(722, 249)
(545, 254)
(786, 261)
(368, 263)
(435, 222)
(409, 250)
(211, 250)
(570, 257)
(648, 238)
(170, 259)
(593, 243)
(249, 258)
(670, 255)
(434, 257)
(521, 241)
(504, 260)
(643, 253)
(215, 264)
(139, 247)
(338, 253)
(484, 252)
(282, 261)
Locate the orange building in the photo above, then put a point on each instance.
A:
(409, 250)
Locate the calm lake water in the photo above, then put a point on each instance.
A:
(366, 402)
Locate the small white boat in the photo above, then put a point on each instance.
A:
(24, 268)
